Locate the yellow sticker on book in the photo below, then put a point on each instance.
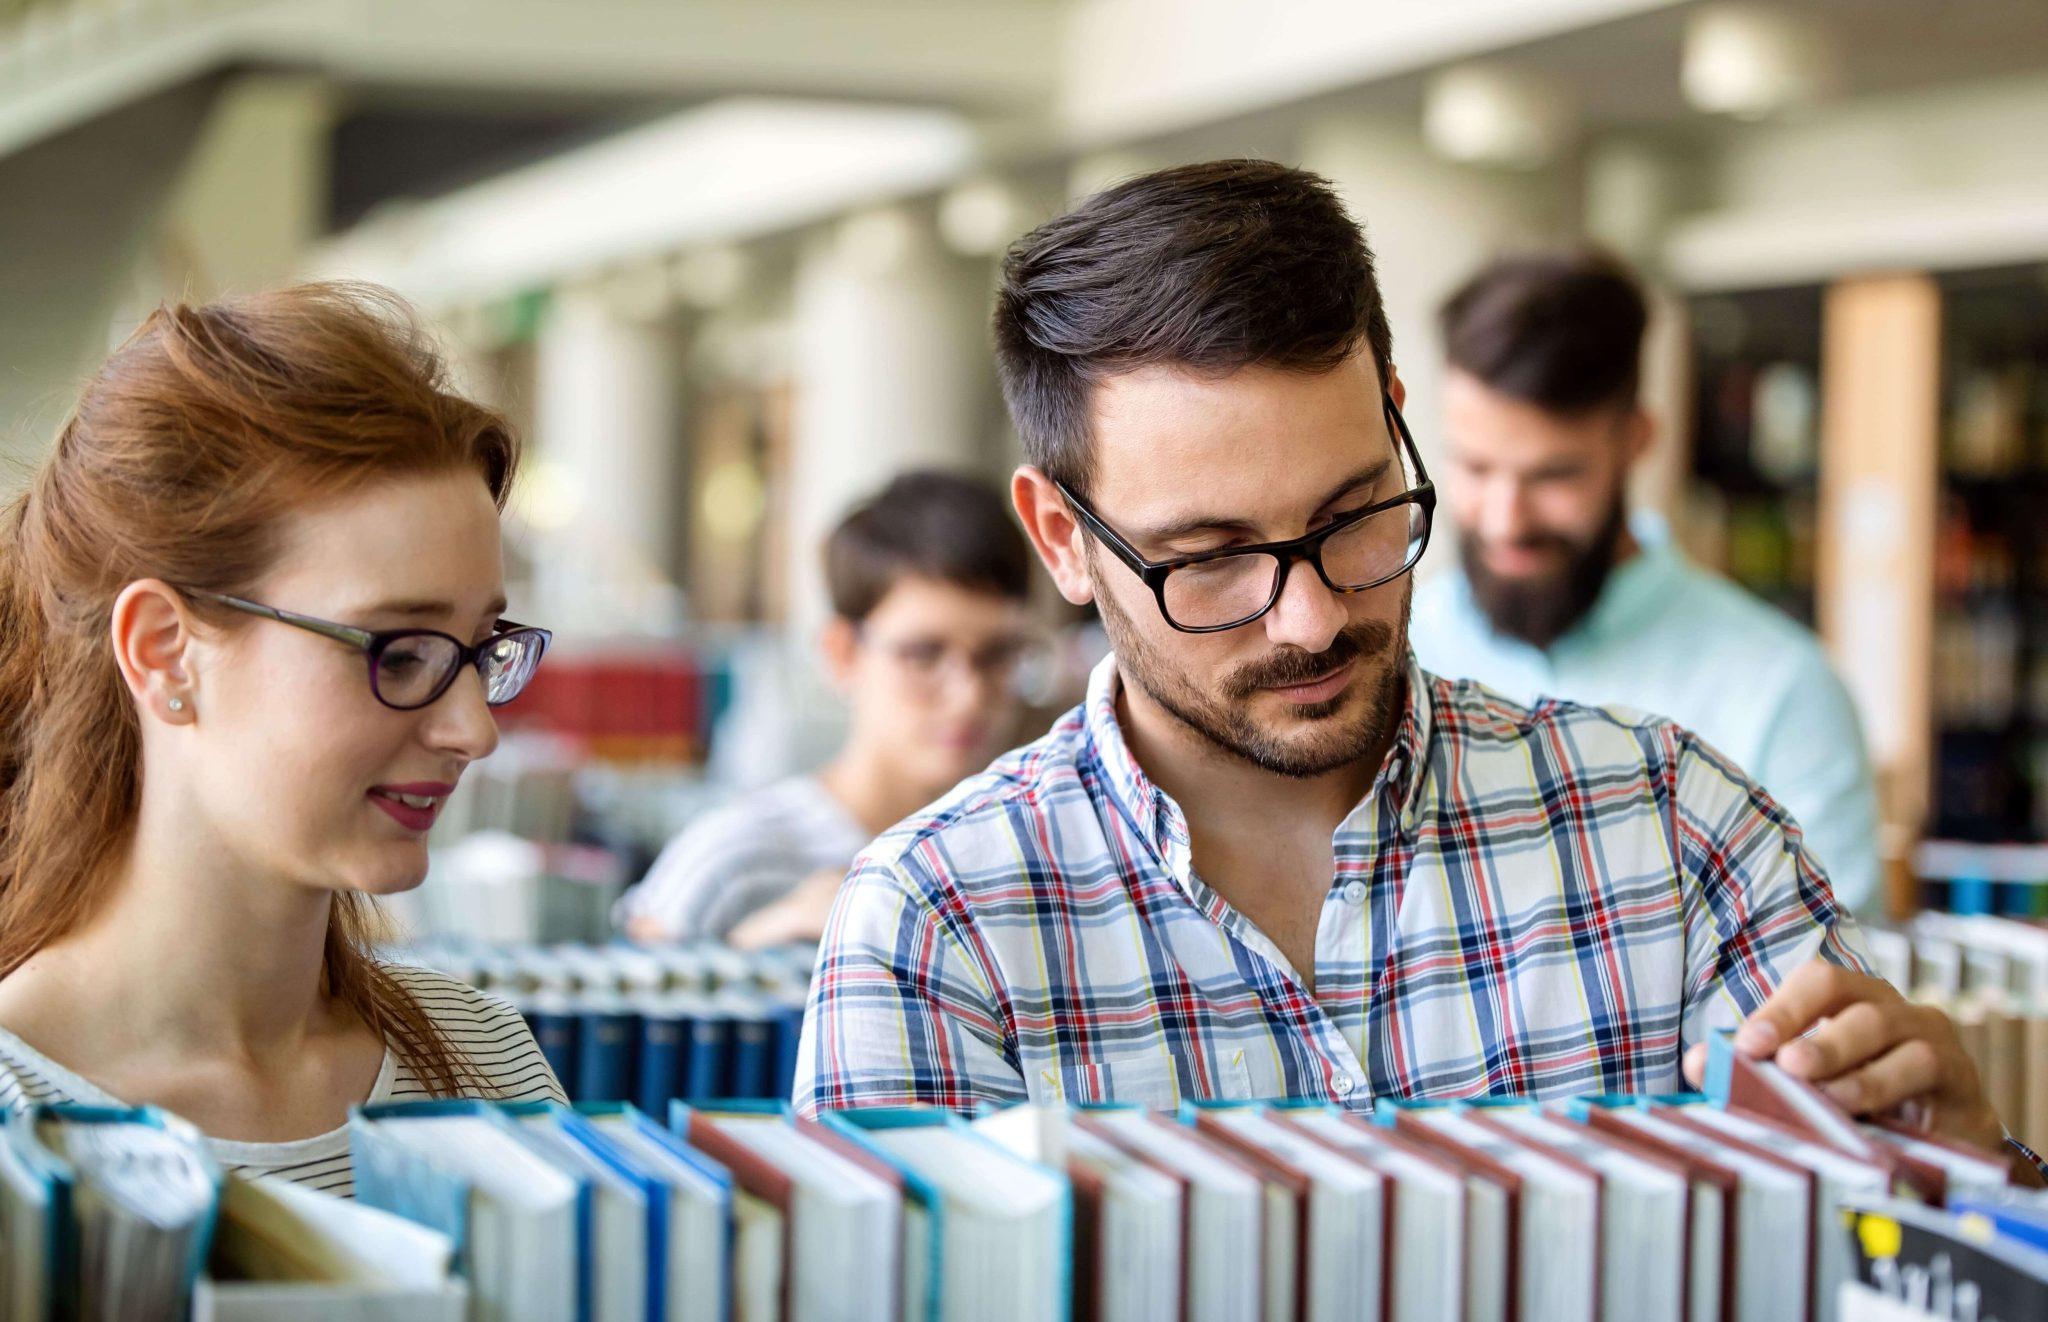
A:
(1880, 1235)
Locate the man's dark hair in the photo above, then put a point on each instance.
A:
(1562, 330)
(925, 524)
(1213, 267)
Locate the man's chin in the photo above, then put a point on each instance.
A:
(1310, 739)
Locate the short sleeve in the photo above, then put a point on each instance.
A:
(710, 877)
(1756, 905)
(901, 1011)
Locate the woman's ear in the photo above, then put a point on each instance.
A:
(151, 629)
(837, 647)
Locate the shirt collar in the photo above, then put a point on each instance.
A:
(1159, 819)
(1637, 587)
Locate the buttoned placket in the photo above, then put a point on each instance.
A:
(1345, 915)
(1344, 925)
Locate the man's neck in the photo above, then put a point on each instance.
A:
(1221, 793)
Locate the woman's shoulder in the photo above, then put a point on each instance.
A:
(28, 1077)
(486, 1028)
(449, 1000)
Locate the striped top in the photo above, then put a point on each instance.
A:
(742, 857)
(488, 1029)
(1531, 901)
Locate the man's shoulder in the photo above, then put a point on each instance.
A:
(1724, 623)
(1474, 721)
(769, 817)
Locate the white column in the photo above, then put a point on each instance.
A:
(1431, 223)
(1634, 190)
(892, 371)
(602, 490)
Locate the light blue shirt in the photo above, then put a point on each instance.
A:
(1667, 637)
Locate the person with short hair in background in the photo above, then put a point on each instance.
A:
(1564, 595)
(929, 582)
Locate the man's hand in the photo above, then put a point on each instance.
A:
(1872, 1051)
(797, 916)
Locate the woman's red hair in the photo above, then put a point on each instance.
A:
(183, 461)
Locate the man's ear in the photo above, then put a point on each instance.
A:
(151, 630)
(1055, 533)
(1638, 432)
(837, 646)
(1397, 389)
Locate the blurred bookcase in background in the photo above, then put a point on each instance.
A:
(1870, 455)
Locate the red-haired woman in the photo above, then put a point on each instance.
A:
(250, 636)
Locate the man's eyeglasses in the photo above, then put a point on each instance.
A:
(1223, 589)
(412, 668)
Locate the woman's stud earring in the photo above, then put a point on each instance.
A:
(177, 704)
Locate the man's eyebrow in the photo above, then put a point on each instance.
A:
(1366, 478)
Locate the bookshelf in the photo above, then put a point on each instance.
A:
(1871, 456)
(1991, 639)
(1753, 490)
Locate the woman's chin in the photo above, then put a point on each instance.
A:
(392, 872)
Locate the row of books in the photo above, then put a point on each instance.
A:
(1607, 1208)
(648, 1024)
(122, 1215)
(637, 702)
(1604, 1208)
(1990, 974)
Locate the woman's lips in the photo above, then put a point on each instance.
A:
(413, 807)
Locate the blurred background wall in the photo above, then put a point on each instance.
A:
(727, 264)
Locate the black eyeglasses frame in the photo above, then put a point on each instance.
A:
(1309, 546)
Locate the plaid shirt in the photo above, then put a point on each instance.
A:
(1538, 902)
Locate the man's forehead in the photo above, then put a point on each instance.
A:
(1480, 421)
(1170, 442)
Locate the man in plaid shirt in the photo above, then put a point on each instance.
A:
(1269, 856)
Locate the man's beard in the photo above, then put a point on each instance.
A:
(1542, 609)
(1224, 718)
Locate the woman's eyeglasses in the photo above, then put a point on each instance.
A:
(1231, 587)
(412, 668)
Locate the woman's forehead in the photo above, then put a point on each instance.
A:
(418, 539)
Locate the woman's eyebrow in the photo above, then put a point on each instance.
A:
(417, 608)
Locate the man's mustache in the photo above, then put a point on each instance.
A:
(1295, 665)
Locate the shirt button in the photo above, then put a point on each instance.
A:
(1341, 1085)
(1354, 892)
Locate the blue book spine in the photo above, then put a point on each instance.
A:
(1386, 1108)
(1970, 895)
(789, 1031)
(2028, 1225)
(664, 1037)
(752, 1058)
(555, 1031)
(1720, 1065)
(605, 1045)
(704, 1069)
